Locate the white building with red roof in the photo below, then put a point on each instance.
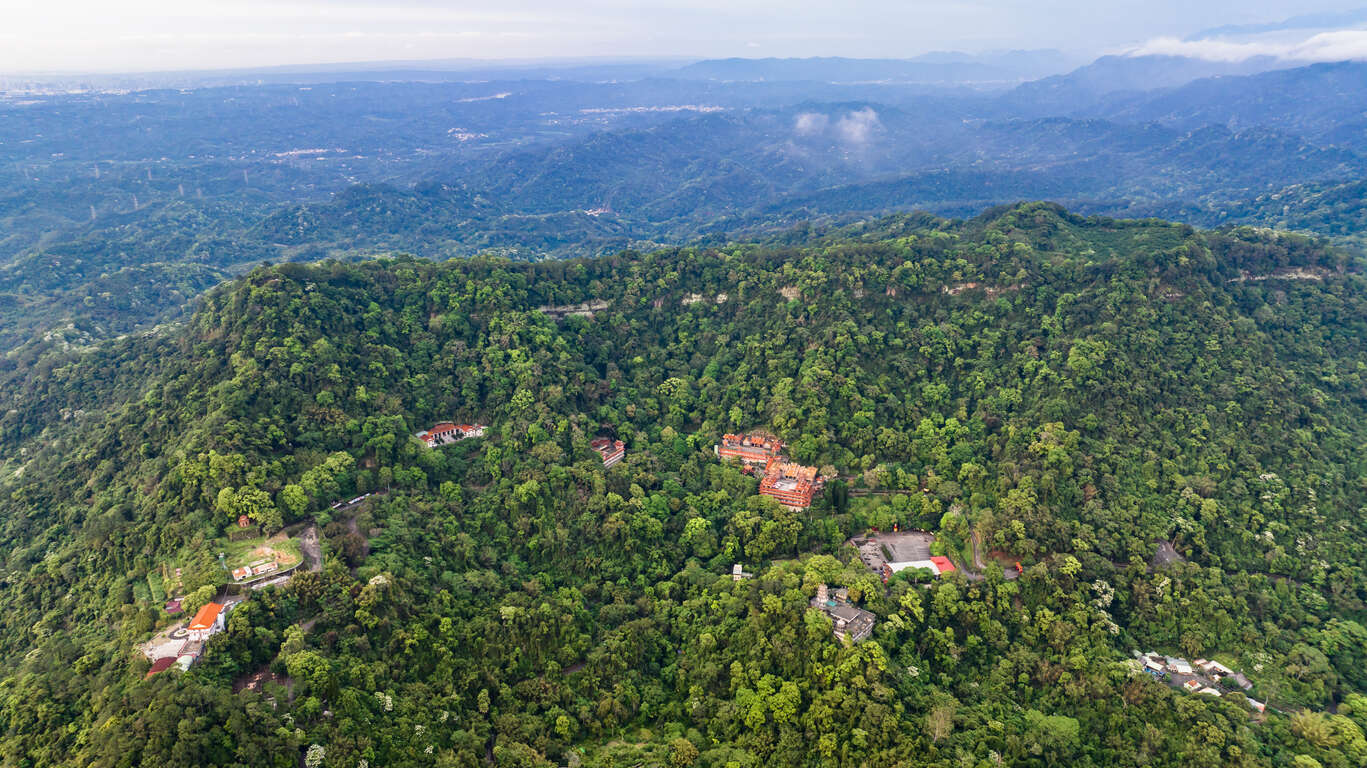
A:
(208, 621)
(445, 432)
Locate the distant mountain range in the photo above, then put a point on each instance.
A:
(116, 208)
(1058, 76)
(1323, 102)
(1077, 91)
(934, 68)
(1324, 20)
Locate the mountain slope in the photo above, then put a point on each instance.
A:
(1078, 91)
(209, 182)
(1321, 102)
(1066, 390)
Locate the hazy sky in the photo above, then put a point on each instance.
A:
(132, 35)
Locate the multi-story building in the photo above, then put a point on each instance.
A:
(611, 450)
(752, 450)
(848, 621)
(445, 432)
(793, 485)
(207, 621)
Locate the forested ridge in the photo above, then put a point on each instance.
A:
(1069, 391)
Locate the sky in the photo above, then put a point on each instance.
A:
(157, 35)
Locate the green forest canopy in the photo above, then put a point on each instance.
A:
(1069, 390)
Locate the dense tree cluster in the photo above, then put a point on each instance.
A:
(1066, 392)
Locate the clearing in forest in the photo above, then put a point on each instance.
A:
(250, 558)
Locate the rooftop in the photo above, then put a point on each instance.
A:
(791, 484)
(609, 449)
(848, 621)
(751, 448)
(788, 472)
(161, 665)
(444, 432)
(846, 611)
(206, 617)
(929, 565)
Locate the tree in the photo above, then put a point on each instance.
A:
(940, 721)
(198, 599)
(252, 502)
(698, 537)
(1056, 734)
(682, 753)
(293, 500)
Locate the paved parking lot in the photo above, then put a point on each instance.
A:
(166, 643)
(907, 545)
(899, 547)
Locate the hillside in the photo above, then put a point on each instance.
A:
(1321, 102)
(1030, 386)
(162, 193)
(1122, 76)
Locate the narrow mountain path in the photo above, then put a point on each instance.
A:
(312, 548)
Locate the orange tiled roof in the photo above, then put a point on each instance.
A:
(779, 468)
(206, 616)
(749, 448)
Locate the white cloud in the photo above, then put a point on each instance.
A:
(1209, 50)
(855, 127)
(810, 124)
(1333, 46)
(1338, 45)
